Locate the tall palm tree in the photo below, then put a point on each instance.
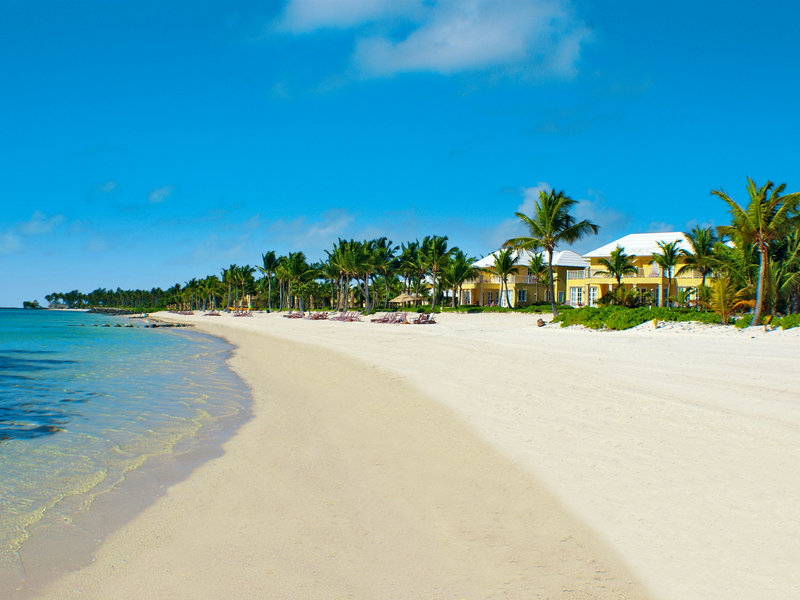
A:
(412, 265)
(667, 259)
(297, 270)
(505, 261)
(701, 256)
(269, 263)
(769, 216)
(537, 268)
(550, 225)
(228, 277)
(457, 272)
(385, 262)
(435, 255)
(618, 265)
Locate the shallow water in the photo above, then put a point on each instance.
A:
(95, 421)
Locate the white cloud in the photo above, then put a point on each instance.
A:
(302, 16)
(12, 239)
(530, 196)
(9, 242)
(106, 187)
(158, 195)
(39, 223)
(659, 227)
(542, 37)
(461, 35)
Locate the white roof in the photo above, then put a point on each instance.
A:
(563, 258)
(641, 244)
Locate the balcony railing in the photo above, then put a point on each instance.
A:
(641, 273)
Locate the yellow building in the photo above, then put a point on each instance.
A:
(585, 288)
(523, 287)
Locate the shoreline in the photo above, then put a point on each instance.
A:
(371, 489)
(65, 534)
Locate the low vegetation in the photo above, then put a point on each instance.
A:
(619, 317)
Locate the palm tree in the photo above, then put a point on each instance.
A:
(435, 255)
(549, 225)
(297, 270)
(458, 271)
(768, 217)
(701, 257)
(269, 263)
(537, 268)
(618, 265)
(723, 297)
(787, 273)
(505, 261)
(412, 265)
(384, 262)
(228, 277)
(667, 259)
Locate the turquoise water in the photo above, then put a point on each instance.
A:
(89, 413)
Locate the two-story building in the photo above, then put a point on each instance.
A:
(523, 287)
(588, 286)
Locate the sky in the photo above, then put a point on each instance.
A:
(144, 143)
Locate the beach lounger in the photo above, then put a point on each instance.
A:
(317, 316)
(425, 319)
(383, 319)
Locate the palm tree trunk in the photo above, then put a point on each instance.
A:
(550, 286)
(762, 276)
(269, 291)
(433, 299)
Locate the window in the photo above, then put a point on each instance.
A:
(576, 296)
(522, 296)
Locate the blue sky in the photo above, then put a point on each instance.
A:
(145, 143)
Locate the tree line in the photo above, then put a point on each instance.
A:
(753, 264)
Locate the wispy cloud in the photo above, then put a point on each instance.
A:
(12, 240)
(158, 195)
(301, 16)
(541, 37)
(39, 223)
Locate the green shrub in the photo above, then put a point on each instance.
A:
(744, 321)
(618, 317)
(787, 321)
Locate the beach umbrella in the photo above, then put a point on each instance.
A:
(404, 297)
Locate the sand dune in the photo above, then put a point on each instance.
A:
(483, 457)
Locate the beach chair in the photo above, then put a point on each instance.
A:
(425, 319)
(382, 319)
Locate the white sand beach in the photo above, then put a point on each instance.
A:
(483, 457)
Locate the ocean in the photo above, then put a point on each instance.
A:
(96, 420)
